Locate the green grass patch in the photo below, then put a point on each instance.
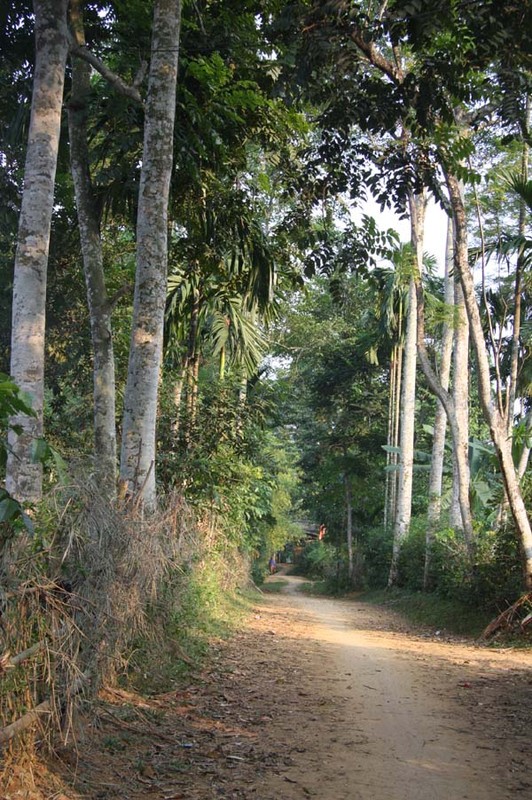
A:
(274, 587)
(432, 610)
(318, 588)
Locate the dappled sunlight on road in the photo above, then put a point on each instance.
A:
(402, 700)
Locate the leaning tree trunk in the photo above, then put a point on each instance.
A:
(91, 249)
(137, 463)
(440, 417)
(493, 416)
(408, 394)
(24, 477)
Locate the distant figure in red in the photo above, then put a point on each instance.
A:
(321, 533)
(272, 566)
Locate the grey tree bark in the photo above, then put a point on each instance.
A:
(440, 417)
(23, 476)
(492, 414)
(349, 527)
(105, 464)
(460, 394)
(138, 451)
(408, 393)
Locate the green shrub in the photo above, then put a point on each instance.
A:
(412, 556)
(377, 553)
(319, 560)
(492, 582)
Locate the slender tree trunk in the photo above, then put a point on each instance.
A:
(525, 455)
(453, 417)
(91, 249)
(349, 527)
(389, 442)
(177, 394)
(24, 477)
(397, 424)
(440, 418)
(516, 332)
(137, 463)
(461, 475)
(408, 394)
(192, 371)
(390, 498)
(492, 414)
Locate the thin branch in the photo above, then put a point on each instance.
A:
(377, 59)
(111, 77)
(124, 290)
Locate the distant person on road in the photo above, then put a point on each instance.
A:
(272, 566)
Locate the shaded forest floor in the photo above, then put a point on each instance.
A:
(312, 698)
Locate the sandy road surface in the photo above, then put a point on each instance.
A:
(391, 723)
(313, 698)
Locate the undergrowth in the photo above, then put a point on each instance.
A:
(442, 614)
(210, 602)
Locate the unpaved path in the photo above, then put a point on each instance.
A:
(403, 717)
(320, 698)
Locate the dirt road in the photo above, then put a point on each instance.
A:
(319, 698)
(402, 716)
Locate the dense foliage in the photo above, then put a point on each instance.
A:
(289, 315)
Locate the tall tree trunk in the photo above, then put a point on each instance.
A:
(349, 527)
(390, 494)
(408, 393)
(192, 369)
(399, 354)
(177, 394)
(440, 417)
(137, 462)
(492, 414)
(453, 417)
(24, 477)
(389, 442)
(91, 249)
(516, 332)
(461, 475)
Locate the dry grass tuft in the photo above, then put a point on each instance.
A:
(73, 600)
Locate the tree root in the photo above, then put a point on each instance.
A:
(516, 618)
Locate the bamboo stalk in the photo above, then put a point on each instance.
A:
(22, 724)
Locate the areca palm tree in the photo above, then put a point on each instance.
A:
(216, 302)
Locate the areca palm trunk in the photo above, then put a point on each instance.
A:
(516, 331)
(440, 417)
(408, 394)
(460, 392)
(138, 452)
(349, 527)
(390, 477)
(23, 476)
(397, 421)
(192, 367)
(91, 249)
